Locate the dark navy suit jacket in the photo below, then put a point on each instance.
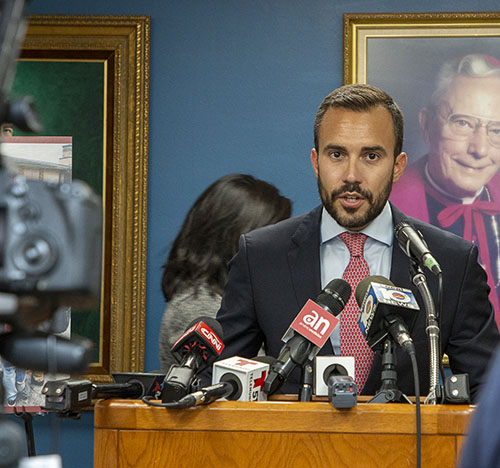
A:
(277, 269)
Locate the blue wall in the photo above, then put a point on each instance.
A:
(234, 88)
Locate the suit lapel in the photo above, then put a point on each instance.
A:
(304, 263)
(399, 262)
(303, 253)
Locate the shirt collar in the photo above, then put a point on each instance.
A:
(380, 229)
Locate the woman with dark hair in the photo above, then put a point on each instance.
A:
(196, 269)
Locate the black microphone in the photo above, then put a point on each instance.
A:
(71, 397)
(308, 332)
(414, 246)
(46, 353)
(198, 347)
(385, 309)
(207, 395)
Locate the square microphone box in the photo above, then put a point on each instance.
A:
(325, 366)
(247, 374)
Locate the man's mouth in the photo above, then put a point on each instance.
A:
(471, 167)
(351, 200)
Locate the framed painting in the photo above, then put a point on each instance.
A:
(89, 79)
(443, 69)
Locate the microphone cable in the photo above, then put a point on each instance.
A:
(416, 383)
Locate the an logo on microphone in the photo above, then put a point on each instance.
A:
(314, 323)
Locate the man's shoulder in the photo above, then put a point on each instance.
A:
(295, 226)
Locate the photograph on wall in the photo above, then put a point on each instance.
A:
(444, 72)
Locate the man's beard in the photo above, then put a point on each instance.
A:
(349, 219)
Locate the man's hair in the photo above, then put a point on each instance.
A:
(472, 65)
(361, 98)
(233, 205)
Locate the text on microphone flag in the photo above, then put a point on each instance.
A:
(314, 323)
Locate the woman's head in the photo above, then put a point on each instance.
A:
(233, 205)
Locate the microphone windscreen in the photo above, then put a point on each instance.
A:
(335, 295)
(364, 284)
(210, 321)
(214, 325)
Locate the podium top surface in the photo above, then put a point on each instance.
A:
(284, 416)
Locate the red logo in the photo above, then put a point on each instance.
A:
(260, 381)
(314, 323)
(243, 362)
(210, 335)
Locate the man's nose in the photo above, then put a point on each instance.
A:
(352, 171)
(478, 143)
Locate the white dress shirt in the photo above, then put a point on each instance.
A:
(334, 255)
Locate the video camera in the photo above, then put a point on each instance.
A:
(50, 238)
(50, 247)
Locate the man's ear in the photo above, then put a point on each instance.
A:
(399, 166)
(425, 122)
(314, 161)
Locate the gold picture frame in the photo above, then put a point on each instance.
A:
(121, 44)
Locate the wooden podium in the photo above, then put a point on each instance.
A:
(128, 433)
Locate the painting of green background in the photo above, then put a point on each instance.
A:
(69, 99)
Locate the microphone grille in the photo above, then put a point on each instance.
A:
(364, 284)
(211, 322)
(335, 295)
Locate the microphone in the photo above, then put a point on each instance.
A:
(46, 353)
(71, 397)
(133, 385)
(385, 309)
(414, 246)
(234, 378)
(325, 366)
(247, 375)
(198, 347)
(308, 332)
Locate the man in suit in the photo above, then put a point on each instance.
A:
(482, 446)
(456, 186)
(358, 136)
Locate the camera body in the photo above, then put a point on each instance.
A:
(50, 241)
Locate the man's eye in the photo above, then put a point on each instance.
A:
(462, 122)
(494, 130)
(372, 156)
(335, 155)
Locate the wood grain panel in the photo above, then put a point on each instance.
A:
(143, 449)
(276, 434)
(106, 446)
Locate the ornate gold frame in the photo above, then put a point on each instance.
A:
(122, 44)
(358, 28)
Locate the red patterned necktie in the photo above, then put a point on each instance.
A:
(352, 341)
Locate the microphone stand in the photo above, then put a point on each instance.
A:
(432, 329)
(389, 392)
(306, 381)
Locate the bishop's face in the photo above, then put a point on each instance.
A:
(464, 135)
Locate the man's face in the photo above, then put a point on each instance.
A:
(463, 164)
(355, 164)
